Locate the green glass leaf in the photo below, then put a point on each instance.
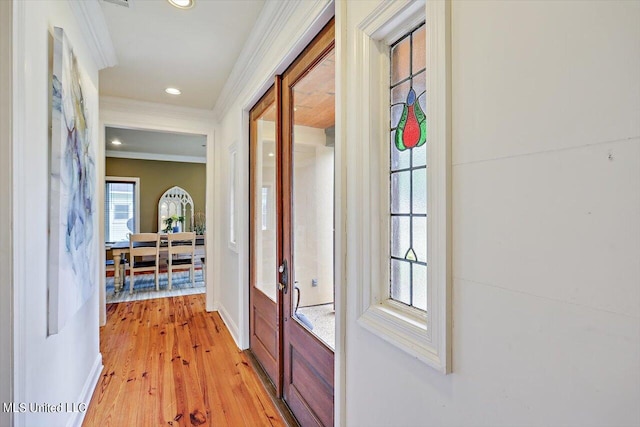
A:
(400, 129)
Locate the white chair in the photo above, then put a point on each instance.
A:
(183, 246)
(202, 254)
(143, 245)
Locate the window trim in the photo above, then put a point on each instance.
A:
(428, 336)
(232, 228)
(136, 197)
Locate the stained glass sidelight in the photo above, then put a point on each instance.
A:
(408, 170)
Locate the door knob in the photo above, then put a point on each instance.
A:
(284, 277)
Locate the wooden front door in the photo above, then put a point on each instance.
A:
(265, 235)
(308, 118)
(292, 322)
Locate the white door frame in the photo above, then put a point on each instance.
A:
(6, 210)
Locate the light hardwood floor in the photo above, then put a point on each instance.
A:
(169, 362)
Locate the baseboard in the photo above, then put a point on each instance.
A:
(231, 326)
(77, 418)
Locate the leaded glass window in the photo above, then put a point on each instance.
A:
(408, 170)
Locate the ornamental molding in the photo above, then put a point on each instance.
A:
(95, 32)
(152, 109)
(155, 156)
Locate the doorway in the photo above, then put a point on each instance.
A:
(292, 313)
(143, 165)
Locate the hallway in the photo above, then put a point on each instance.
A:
(169, 362)
(524, 210)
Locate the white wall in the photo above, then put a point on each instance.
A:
(60, 368)
(6, 207)
(228, 303)
(313, 215)
(546, 225)
(324, 193)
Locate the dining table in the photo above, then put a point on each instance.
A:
(118, 249)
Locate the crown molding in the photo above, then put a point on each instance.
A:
(156, 157)
(273, 18)
(95, 31)
(130, 106)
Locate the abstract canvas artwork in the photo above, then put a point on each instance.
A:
(72, 188)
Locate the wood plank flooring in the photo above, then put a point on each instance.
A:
(169, 362)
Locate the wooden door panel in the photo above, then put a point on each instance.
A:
(264, 341)
(265, 331)
(311, 383)
(320, 358)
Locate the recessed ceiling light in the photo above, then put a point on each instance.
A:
(116, 142)
(182, 4)
(271, 154)
(172, 91)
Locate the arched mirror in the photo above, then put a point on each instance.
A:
(175, 211)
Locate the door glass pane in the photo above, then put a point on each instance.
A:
(313, 187)
(265, 229)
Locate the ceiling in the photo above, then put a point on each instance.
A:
(159, 143)
(158, 45)
(314, 96)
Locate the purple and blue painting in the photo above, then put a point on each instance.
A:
(72, 219)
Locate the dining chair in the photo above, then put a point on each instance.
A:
(202, 258)
(143, 245)
(183, 246)
(109, 266)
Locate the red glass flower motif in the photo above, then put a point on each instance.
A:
(412, 127)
